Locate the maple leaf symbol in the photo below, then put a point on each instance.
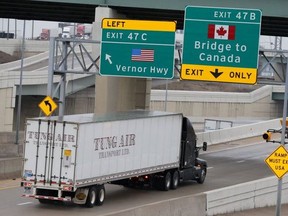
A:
(221, 31)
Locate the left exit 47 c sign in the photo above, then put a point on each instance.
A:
(137, 48)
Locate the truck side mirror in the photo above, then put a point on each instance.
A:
(204, 146)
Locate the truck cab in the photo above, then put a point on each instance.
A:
(191, 167)
(66, 32)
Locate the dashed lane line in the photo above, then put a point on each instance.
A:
(26, 203)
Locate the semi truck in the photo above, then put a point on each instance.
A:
(72, 159)
(84, 31)
(68, 32)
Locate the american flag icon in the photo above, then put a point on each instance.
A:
(145, 55)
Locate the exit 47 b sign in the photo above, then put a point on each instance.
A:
(221, 44)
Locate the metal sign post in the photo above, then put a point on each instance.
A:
(63, 83)
(20, 85)
(279, 191)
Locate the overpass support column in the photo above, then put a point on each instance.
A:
(115, 93)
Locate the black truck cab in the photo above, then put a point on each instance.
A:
(191, 167)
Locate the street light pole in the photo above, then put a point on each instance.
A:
(279, 190)
(20, 87)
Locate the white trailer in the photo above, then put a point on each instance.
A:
(71, 160)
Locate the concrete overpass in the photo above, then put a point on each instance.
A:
(275, 17)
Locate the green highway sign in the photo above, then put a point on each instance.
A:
(221, 44)
(137, 48)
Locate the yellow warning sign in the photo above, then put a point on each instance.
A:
(47, 106)
(278, 161)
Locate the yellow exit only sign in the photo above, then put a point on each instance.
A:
(278, 161)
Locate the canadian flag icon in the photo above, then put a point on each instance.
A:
(224, 32)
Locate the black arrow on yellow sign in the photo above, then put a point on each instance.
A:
(47, 103)
(216, 73)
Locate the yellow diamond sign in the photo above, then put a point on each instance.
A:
(47, 105)
(278, 161)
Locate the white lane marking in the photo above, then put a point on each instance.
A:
(26, 203)
(241, 161)
(210, 167)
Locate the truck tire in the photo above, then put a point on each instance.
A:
(91, 198)
(175, 180)
(202, 176)
(100, 196)
(166, 183)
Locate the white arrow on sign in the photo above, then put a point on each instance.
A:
(108, 57)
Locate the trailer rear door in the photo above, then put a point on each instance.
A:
(50, 151)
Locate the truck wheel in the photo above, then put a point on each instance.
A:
(166, 183)
(202, 176)
(91, 198)
(100, 195)
(175, 180)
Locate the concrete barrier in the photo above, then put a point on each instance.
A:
(8, 148)
(13, 46)
(28, 61)
(250, 195)
(10, 167)
(237, 133)
(237, 107)
(194, 205)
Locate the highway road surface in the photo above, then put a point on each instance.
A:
(235, 165)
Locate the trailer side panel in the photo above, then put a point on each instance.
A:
(117, 149)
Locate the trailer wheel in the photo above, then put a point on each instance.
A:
(91, 198)
(175, 180)
(202, 176)
(100, 195)
(166, 183)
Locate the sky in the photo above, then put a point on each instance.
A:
(33, 29)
